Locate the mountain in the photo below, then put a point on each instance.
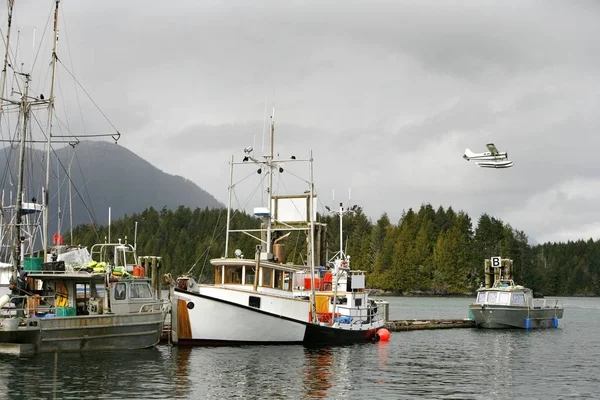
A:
(103, 175)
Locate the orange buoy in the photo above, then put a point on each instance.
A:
(384, 334)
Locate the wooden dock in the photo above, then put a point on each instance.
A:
(416, 324)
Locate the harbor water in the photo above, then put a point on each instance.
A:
(441, 364)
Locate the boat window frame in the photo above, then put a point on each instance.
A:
(515, 296)
(503, 299)
(231, 271)
(481, 297)
(124, 292)
(147, 290)
(249, 274)
(218, 274)
(266, 277)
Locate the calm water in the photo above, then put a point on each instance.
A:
(446, 364)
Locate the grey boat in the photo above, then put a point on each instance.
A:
(61, 309)
(506, 305)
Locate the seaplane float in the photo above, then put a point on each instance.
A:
(489, 159)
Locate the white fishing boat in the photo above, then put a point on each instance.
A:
(507, 305)
(266, 300)
(63, 299)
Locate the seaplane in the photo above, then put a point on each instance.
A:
(489, 159)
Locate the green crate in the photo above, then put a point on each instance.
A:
(65, 311)
(33, 263)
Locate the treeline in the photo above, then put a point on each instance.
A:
(429, 251)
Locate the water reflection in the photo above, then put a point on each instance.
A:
(317, 372)
(125, 374)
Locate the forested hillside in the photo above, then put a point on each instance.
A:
(428, 251)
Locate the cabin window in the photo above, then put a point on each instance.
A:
(83, 291)
(266, 277)
(278, 282)
(233, 275)
(518, 299)
(481, 298)
(140, 291)
(250, 273)
(218, 275)
(492, 297)
(254, 301)
(504, 298)
(357, 302)
(120, 291)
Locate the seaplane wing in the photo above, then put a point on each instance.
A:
(492, 148)
(492, 155)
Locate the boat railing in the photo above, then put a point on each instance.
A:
(359, 315)
(155, 306)
(547, 303)
(30, 306)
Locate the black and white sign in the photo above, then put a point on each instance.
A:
(496, 262)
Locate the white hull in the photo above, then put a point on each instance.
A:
(211, 321)
(222, 315)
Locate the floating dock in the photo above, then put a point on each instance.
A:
(416, 324)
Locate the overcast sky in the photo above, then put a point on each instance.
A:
(387, 94)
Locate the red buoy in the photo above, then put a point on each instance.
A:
(384, 334)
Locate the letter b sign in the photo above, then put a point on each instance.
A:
(495, 262)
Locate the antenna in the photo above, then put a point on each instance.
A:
(262, 149)
(33, 48)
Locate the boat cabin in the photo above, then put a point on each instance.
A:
(505, 292)
(271, 276)
(80, 293)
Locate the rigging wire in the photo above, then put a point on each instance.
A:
(43, 36)
(75, 81)
(117, 133)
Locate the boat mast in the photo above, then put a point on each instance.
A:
(229, 205)
(312, 243)
(19, 203)
(270, 165)
(70, 203)
(4, 71)
(2, 88)
(336, 263)
(50, 114)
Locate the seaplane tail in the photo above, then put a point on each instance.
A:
(468, 154)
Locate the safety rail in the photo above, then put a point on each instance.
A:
(359, 316)
(32, 305)
(41, 306)
(159, 305)
(547, 303)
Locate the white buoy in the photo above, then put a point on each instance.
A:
(4, 300)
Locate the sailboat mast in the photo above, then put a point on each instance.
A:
(19, 203)
(50, 114)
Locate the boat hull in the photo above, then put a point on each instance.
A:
(503, 317)
(202, 320)
(86, 333)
